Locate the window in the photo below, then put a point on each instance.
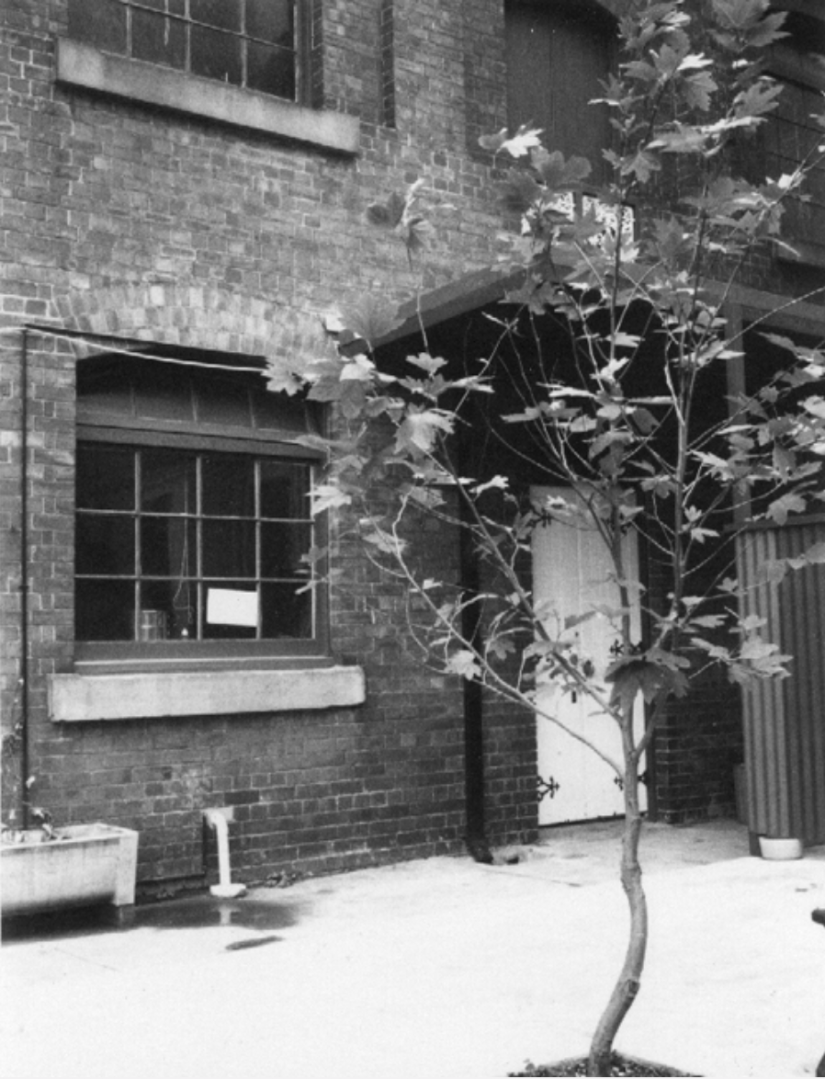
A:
(791, 134)
(557, 55)
(193, 526)
(256, 44)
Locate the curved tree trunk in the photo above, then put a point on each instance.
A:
(627, 985)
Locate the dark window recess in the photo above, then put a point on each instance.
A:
(557, 56)
(250, 43)
(193, 522)
(792, 135)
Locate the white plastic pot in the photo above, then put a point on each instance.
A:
(779, 850)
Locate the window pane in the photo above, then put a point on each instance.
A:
(272, 20)
(216, 55)
(163, 41)
(162, 392)
(101, 386)
(167, 482)
(104, 610)
(282, 546)
(168, 610)
(284, 490)
(100, 24)
(167, 547)
(223, 13)
(228, 548)
(224, 401)
(105, 477)
(276, 412)
(105, 543)
(271, 70)
(285, 614)
(228, 486)
(230, 620)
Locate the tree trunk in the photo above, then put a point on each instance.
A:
(627, 986)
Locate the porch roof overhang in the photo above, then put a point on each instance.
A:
(468, 293)
(481, 288)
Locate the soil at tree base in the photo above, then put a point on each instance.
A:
(619, 1066)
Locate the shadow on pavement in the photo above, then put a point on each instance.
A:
(193, 912)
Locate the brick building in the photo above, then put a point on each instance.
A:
(182, 195)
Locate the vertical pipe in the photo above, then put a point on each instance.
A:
(24, 575)
(474, 778)
(474, 766)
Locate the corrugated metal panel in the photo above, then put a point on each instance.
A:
(785, 720)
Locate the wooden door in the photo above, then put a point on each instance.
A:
(570, 570)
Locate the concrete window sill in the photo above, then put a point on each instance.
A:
(83, 65)
(77, 698)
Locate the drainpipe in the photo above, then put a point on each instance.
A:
(477, 843)
(474, 780)
(24, 575)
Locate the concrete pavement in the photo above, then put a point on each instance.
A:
(438, 969)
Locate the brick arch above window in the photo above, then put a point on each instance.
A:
(194, 317)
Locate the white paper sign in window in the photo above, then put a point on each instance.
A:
(231, 607)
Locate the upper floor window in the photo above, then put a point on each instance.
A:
(792, 135)
(557, 56)
(256, 44)
(193, 523)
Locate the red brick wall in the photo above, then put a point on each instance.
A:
(120, 219)
(699, 738)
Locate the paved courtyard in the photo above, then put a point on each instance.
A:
(437, 969)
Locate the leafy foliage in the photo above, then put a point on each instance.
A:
(646, 326)
(625, 416)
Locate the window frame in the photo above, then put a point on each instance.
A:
(111, 427)
(83, 66)
(300, 47)
(585, 20)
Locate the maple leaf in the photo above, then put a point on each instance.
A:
(780, 508)
(427, 363)
(280, 379)
(557, 171)
(524, 140)
(420, 428)
(328, 496)
(759, 98)
(370, 318)
(697, 90)
(643, 164)
(493, 142)
(520, 191)
(388, 213)
(464, 663)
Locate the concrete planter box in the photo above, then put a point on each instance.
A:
(86, 864)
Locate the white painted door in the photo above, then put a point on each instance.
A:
(570, 571)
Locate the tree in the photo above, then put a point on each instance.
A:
(619, 418)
